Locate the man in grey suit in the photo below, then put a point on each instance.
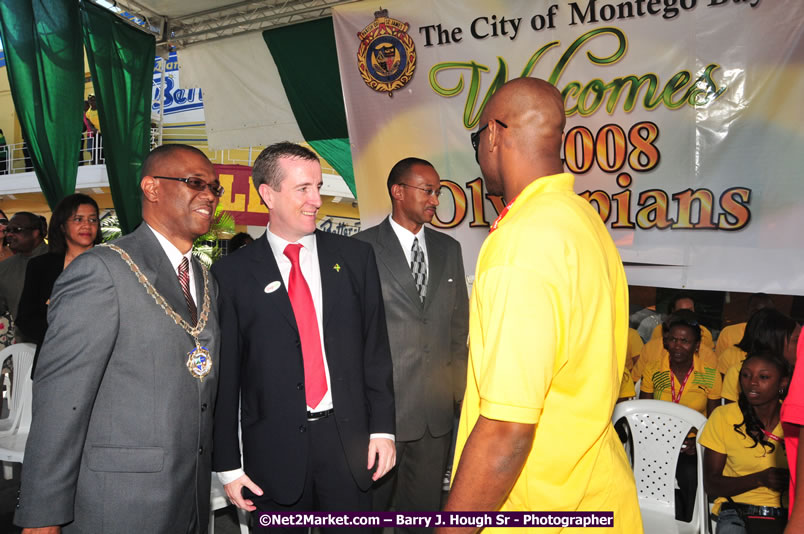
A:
(426, 307)
(126, 380)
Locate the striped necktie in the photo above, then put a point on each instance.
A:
(184, 280)
(419, 268)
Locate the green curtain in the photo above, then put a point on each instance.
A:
(121, 60)
(307, 62)
(45, 66)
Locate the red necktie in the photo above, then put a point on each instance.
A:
(315, 379)
(184, 280)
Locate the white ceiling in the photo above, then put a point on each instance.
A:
(180, 23)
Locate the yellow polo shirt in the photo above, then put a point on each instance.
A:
(654, 351)
(706, 336)
(729, 358)
(548, 331)
(731, 383)
(729, 336)
(741, 459)
(635, 345)
(704, 383)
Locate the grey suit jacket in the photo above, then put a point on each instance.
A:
(121, 433)
(428, 341)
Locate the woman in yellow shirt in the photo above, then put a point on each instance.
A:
(744, 461)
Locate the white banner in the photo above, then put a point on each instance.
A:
(684, 121)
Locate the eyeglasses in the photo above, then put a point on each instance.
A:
(19, 229)
(79, 219)
(474, 136)
(3, 222)
(429, 192)
(197, 184)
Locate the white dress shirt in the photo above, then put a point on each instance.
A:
(405, 237)
(311, 270)
(174, 257)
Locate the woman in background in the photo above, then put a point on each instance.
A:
(745, 466)
(767, 330)
(74, 229)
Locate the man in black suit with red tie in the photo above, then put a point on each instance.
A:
(305, 355)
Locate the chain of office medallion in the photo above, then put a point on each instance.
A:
(160, 300)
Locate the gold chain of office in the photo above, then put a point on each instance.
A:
(160, 300)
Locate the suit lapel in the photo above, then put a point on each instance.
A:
(436, 263)
(265, 273)
(152, 260)
(390, 253)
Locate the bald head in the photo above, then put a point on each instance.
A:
(528, 143)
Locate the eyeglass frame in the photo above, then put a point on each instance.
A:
(475, 136)
(216, 190)
(429, 192)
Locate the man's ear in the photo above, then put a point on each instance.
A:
(493, 138)
(396, 192)
(266, 193)
(150, 189)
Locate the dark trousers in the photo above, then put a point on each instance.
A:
(687, 478)
(328, 485)
(415, 484)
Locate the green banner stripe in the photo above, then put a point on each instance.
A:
(339, 154)
(307, 62)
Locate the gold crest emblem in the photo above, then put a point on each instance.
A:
(386, 57)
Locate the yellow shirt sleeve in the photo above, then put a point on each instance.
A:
(712, 434)
(627, 389)
(520, 344)
(647, 379)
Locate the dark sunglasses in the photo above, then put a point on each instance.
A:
(197, 184)
(3, 222)
(475, 136)
(19, 229)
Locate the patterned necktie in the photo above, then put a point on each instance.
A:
(419, 268)
(184, 280)
(315, 378)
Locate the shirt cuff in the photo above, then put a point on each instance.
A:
(386, 436)
(227, 477)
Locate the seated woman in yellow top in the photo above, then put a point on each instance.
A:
(684, 301)
(681, 377)
(745, 466)
(768, 330)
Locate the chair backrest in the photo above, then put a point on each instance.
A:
(658, 429)
(22, 355)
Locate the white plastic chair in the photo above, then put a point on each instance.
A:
(22, 355)
(219, 500)
(658, 429)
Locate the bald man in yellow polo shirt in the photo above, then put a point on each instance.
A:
(548, 331)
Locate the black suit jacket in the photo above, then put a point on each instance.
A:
(262, 368)
(40, 276)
